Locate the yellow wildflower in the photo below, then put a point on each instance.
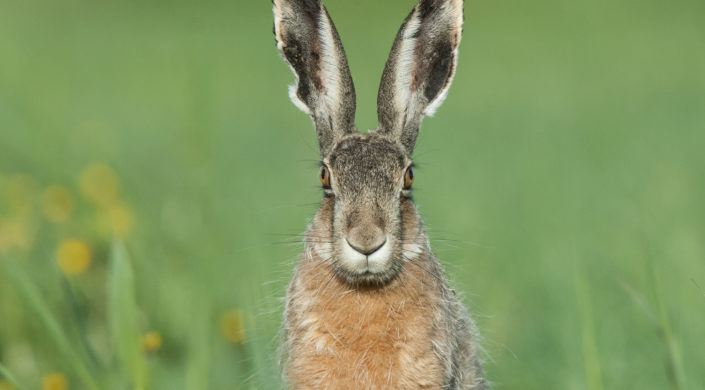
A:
(54, 381)
(152, 341)
(232, 326)
(57, 203)
(121, 220)
(5, 385)
(116, 219)
(73, 257)
(99, 184)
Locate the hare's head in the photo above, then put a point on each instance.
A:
(367, 177)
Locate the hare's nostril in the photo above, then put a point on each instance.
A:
(366, 251)
(366, 242)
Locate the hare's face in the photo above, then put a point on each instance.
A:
(367, 186)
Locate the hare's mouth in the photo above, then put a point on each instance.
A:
(370, 263)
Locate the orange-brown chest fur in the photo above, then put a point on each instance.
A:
(341, 337)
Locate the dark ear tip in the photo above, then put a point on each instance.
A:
(426, 7)
(306, 5)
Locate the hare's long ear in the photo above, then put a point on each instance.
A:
(420, 68)
(309, 42)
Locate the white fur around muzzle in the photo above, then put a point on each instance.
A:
(358, 263)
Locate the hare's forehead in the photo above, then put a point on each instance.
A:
(367, 157)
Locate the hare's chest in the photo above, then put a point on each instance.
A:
(367, 341)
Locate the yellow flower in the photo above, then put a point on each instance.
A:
(73, 256)
(232, 326)
(57, 203)
(152, 341)
(99, 184)
(54, 381)
(121, 220)
(5, 385)
(116, 219)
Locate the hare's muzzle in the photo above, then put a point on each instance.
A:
(366, 250)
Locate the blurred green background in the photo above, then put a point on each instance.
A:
(154, 177)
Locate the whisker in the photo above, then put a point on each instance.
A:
(332, 276)
(437, 277)
(412, 276)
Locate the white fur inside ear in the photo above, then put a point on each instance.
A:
(330, 64)
(295, 98)
(406, 61)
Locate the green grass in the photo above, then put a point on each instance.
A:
(8, 377)
(561, 182)
(593, 371)
(122, 317)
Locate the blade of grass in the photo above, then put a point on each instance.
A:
(5, 373)
(639, 300)
(675, 365)
(593, 371)
(698, 286)
(122, 314)
(675, 372)
(663, 326)
(79, 322)
(197, 367)
(36, 302)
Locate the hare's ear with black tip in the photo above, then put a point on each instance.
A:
(308, 41)
(420, 68)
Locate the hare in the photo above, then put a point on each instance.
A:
(369, 306)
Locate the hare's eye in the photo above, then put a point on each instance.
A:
(408, 178)
(325, 177)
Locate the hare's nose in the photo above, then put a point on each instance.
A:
(366, 240)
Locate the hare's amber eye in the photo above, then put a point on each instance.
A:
(408, 178)
(324, 175)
